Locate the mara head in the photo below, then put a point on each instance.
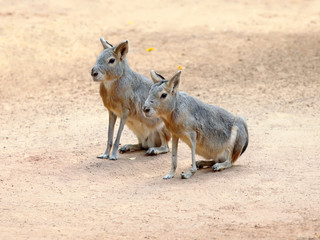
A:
(162, 95)
(111, 63)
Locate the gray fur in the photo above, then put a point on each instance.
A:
(123, 93)
(209, 131)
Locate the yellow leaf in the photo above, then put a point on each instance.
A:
(132, 158)
(180, 67)
(150, 49)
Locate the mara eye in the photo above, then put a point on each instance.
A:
(163, 95)
(111, 60)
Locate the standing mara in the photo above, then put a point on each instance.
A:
(123, 92)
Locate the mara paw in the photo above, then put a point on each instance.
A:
(157, 150)
(152, 151)
(168, 176)
(113, 157)
(217, 167)
(199, 164)
(103, 156)
(220, 166)
(124, 149)
(186, 175)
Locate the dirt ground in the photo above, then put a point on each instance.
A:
(259, 59)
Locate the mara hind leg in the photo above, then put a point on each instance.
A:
(203, 163)
(141, 145)
(164, 136)
(141, 132)
(130, 148)
(228, 154)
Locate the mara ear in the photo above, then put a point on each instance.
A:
(156, 77)
(105, 44)
(174, 83)
(122, 50)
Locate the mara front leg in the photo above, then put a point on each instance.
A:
(112, 121)
(173, 158)
(193, 169)
(114, 155)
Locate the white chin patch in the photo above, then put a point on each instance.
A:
(147, 115)
(100, 76)
(150, 113)
(97, 78)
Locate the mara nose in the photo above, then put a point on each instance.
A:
(94, 73)
(146, 109)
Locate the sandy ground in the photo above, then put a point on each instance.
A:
(259, 59)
